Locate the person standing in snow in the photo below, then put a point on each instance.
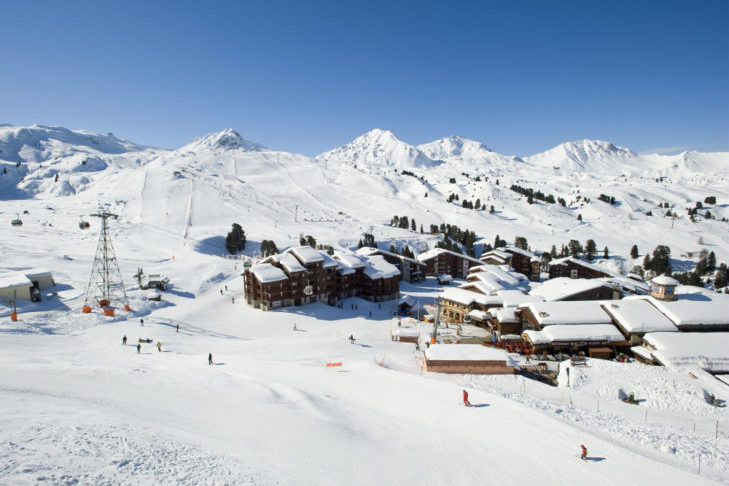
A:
(465, 399)
(210, 358)
(124, 341)
(351, 338)
(141, 322)
(139, 348)
(294, 326)
(583, 449)
(178, 328)
(159, 346)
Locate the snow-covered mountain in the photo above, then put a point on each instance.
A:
(227, 139)
(583, 155)
(468, 154)
(40, 143)
(378, 148)
(203, 186)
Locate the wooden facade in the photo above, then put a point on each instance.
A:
(440, 261)
(524, 262)
(572, 268)
(303, 275)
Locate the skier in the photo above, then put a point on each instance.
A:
(233, 299)
(226, 288)
(584, 452)
(351, 338)
(124, 341)
(139, 348)
(465, 399)
(294, 326)
(141, 322)
(221, 291)
(210, 358)
(159, 346)
(178, 328)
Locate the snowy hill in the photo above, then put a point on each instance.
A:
(378, 148)
(469, 155)
(582, 155)
(40, 143)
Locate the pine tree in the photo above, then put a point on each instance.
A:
(492, 209)
(521, 242)
(235, 241)
(579, 217)
(413, 226)
(605, 253)
(590, 249)
(634, 252)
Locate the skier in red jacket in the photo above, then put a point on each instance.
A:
(584, 452)
(465, 399)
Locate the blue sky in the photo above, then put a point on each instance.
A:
(308, 76)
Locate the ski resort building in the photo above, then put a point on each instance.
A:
(596, 340)
(636, 317)
(442, 261)
(706, 350)
(525, 262)
(496, 257)
(468, 358)
(566, 289)
(411, 270)
(574, 268)
(303, 274)
(542, 314)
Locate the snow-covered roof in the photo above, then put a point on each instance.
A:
(638, 316)
(427, 255)
(707, 309)
(597, 268)
(406, 332)
(506, 314)
(514, 298)
(567, 312)
(479, 315)
(497, 274)
(466, 297)
(287, 260)
(377, 267)
(9, 280)
(530, 255)
(265, 273)
(37, 272)
(562, 287)
(497, 253)
(707, 350)
(465, 352)
(480, 287)
(328, 260)
(572, 333)
(306, 254)
(367, 250)
(348, 262)
(664, 280)
(629, 284)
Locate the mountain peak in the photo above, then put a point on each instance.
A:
(580, 154)
(379, 147)
(227, 139)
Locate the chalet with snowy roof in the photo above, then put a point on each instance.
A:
(442, 261)
(505, 321)
(574, 268)
(525, 262)
(538, 315)
(406, 335)
(696, 310)
(468, 358)
(496, 257)
(411, 270)
(706, 350)
(595, 340)
(302, 275)
(456, 303)
(567, 289)
(497, 278)
(636, 317)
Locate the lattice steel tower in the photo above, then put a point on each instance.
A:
(106, 288)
